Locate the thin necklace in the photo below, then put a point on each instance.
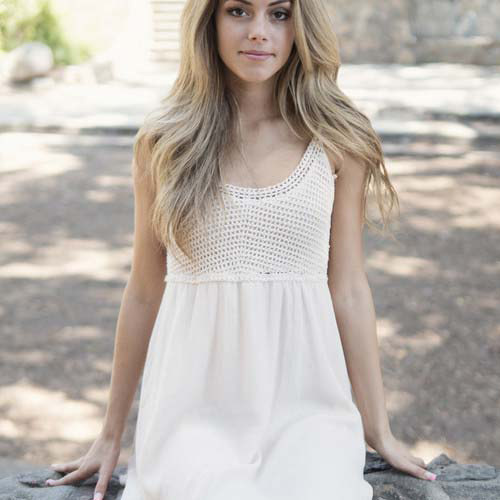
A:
(246, 166)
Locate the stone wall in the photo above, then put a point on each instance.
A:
(418, 31)
(375, 31)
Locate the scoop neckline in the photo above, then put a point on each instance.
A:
(233, 188)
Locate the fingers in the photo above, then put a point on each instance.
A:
(416, 470)
(419, 462)
(406, 462)
(102, 484)
(78, 475)
(68, 466)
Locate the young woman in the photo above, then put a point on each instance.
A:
(261, 372)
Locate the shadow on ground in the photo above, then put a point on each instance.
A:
(67, 223)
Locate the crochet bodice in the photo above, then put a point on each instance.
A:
(278, 232)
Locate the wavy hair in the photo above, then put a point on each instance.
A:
(181, 143)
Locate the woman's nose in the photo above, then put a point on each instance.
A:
(257, 28)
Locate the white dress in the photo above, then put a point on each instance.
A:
(245, 393)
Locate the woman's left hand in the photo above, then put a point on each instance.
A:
(397, 454)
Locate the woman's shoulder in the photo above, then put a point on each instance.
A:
(340, 161)
(335, 160)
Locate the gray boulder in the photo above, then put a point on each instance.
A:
(454, 482)
(29, 60)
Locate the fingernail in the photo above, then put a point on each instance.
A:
(54, 465)
(98, 496)
(50, 482)
(430, 475)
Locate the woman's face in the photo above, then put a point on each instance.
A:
(254, 25)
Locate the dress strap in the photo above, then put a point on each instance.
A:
(323, 162)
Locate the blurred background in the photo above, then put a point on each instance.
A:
(77, 79)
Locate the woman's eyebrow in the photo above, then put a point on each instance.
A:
(270, 4)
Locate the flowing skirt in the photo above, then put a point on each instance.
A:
(245, 395)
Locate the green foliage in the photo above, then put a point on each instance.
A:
(22, 22)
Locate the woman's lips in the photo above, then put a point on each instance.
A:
(255, 56)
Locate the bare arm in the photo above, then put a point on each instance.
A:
(352, 300)
(353, 304)
(138, 310)
(140, 303)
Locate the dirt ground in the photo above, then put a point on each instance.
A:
(66, 220)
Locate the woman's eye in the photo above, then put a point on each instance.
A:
(286, 14)
(235, 9)
(279, 12)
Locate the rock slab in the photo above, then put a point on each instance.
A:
(454, 482)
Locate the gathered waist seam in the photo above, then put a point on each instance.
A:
(237, 277)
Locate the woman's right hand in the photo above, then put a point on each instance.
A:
(102, 457)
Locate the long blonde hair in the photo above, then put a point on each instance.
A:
(184, 139)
